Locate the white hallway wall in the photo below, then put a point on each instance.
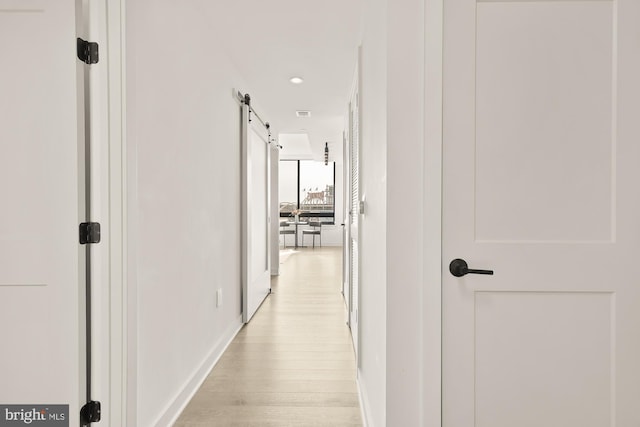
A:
(183, 139)
(405, 178)
(372, 363)
(396, 381)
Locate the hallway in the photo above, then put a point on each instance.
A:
(293, 364)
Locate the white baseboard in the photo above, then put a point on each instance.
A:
(173, 411)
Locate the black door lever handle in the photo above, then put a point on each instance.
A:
(459, 268)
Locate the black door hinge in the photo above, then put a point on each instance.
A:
(87, 51)
(90, 413)
(89, 232)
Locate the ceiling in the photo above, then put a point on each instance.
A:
(271, 41)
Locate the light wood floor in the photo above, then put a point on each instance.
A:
(293, 364)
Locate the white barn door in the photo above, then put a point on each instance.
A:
(256, 274)
(41, 267)
(541, 185)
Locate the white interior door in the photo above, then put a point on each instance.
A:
(541, 153)
(256, 253)
(40, 263)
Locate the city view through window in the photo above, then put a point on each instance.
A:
(308, 187)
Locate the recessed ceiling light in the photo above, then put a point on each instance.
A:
(302, 113)
(296, 80)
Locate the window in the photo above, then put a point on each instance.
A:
(309, 186)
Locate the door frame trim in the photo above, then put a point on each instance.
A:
(120, 304)
(432, 187)
(122, 185)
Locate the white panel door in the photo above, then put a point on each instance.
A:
(541, 154)
(40, 266)
(256, 253)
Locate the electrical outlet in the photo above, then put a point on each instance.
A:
(219, 298)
